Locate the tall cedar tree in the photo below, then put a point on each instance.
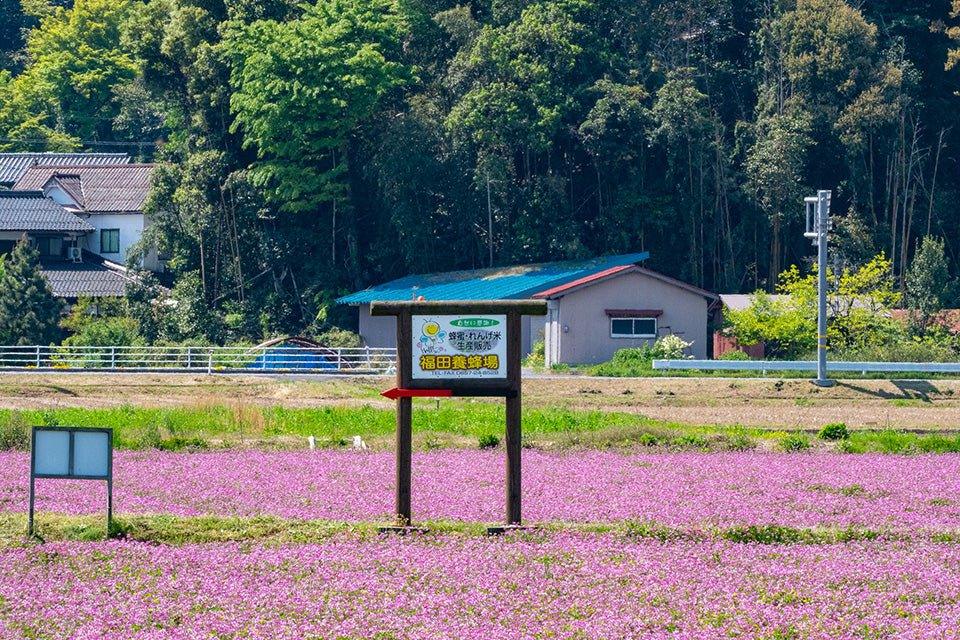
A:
(29, 314)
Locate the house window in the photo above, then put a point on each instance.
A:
(49, 246)
(633, 327)
(109, 240)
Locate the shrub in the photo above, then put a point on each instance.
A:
(14, 433)
(637, 361)
(648, 440)
(177, 443)
(900, 348)
(795, 442)
(691, 441)
(536, 359)
(764, 534)
(669, 347)
(339, 338)
(107, 332)
(626, 362)
(735, 354)
(489, 441)
(740, 442)
(834, 431)
(859, 313)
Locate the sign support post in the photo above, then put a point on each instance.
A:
(404, 422)
(458, 348)
(513, 435)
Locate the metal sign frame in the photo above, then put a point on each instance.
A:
(70, 475)
(507, 388)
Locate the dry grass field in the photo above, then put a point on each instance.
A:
(782, 404)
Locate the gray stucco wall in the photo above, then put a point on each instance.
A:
(584, 328)
(377, 331)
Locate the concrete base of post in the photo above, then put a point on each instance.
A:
(825, 382)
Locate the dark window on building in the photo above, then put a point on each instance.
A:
(633, 327)
(49, 246)
(109, 240)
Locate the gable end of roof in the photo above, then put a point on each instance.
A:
(562, 290)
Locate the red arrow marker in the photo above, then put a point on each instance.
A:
(397, 392)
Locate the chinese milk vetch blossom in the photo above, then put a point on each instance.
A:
(679, 489)
(562, 585)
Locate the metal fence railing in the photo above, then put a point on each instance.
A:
(332, 360)
(764, 366)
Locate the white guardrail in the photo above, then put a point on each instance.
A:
(329, 360)
(808, 365)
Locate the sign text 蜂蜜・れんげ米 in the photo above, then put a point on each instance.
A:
(459, 346)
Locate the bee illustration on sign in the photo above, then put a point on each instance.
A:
(431, 337)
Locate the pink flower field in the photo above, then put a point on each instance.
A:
(540, 584)
(560, 586)
(689, 490)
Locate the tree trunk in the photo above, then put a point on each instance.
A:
(774, 252)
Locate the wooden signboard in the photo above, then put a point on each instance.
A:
(457, 348)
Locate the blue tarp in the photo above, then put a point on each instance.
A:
(292, 358)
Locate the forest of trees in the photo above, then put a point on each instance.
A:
(308, 149)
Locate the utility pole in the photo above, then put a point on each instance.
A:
(818, 226)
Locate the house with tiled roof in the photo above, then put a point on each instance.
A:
(13, 165)
(594, 307)
(58, 235)
(108, 197)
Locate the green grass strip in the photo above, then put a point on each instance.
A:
(179, 530)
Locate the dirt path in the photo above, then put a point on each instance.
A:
(777, 404)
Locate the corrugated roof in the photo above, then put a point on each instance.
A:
(740, 301)
(562, 288)
(12, 165)
(32, 211)
(84, 279)
(569, 287)
(108, 188)
(503, 283)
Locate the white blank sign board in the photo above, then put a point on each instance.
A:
(52, 453)
(91, 454)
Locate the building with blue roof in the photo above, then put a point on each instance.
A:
(595, 306)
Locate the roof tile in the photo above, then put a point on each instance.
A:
(107, 188)
(12, 165)
(84, 279)
(32, 211)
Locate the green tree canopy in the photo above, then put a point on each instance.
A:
(74, 64)
(300, 88)
(859, 306)
(927, 282)
(29, 314)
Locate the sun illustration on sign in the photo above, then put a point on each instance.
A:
(431, 337)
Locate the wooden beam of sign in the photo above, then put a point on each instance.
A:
(473, 392)
(397, 392)
(522, 307)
